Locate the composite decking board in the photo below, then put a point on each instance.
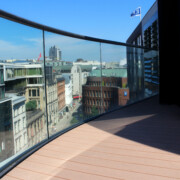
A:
(118, 151)
(109, 172)
(137, 142)
(122, 146)
(8, 177)
(133, 146)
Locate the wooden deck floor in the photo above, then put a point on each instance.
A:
(139, 142)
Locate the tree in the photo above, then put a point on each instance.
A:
(124, 85)
(74, 121)
(31, 105)
(94, 111)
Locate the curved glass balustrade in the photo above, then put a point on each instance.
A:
(50, 82)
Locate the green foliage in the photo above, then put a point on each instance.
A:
(102, 83)
(124, 85)
(74, 121)
(19, 85)
(31, 105)
(94, 111)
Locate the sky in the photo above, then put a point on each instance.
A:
(106, 19)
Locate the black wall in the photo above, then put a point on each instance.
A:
(169, 51)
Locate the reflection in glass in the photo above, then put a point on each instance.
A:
(135, 64)
(151, 72)
(69, 63)
(22, 105)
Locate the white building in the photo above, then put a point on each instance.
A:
(84, 76)
(76, 75)
(68, 90)
(79, 78)
(93, 63)
(19, 123)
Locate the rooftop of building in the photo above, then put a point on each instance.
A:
(15, 98)
(84, 68)
(67, 77)
(21, 65)
(34, 115)
(117, 72)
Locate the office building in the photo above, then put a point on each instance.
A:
(55, 53)
(106, 92)
(143, 65)
(26, 80)
(106, 97)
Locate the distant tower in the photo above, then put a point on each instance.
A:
(55, 53)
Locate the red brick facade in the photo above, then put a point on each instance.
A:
(61, 93)
(107, 97)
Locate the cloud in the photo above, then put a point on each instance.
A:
(9, 50)
(36, 41)
(71, 48)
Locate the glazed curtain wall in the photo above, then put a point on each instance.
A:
(50, 82)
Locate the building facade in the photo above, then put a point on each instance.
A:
(52, 104)
(19, 122)
(61, 93)
(68, 90)
(104, 94)
(55, 53)
(143, 64)
(76, 73)
(79, 78)
(6, 129)
(26, 80)
(36, 127)
(6, 122)
(2, 84)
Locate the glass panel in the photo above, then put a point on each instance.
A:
(143, 73)
(73, 92)
(115, 87)
(151, 72)
(135, 67)
(22, 105)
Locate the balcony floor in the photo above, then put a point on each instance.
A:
(141, 142)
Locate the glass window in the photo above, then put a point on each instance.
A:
(33, 92)
(30, 93)
(37, 92)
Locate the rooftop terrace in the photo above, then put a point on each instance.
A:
(140, 141)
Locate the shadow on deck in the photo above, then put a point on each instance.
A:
(146, 122)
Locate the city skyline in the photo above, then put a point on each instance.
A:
(28, 45)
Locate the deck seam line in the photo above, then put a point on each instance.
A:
(106, 166)
(113, 177)
(121, 155)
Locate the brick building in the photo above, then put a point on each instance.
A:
(110, 95)
(61, 93)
